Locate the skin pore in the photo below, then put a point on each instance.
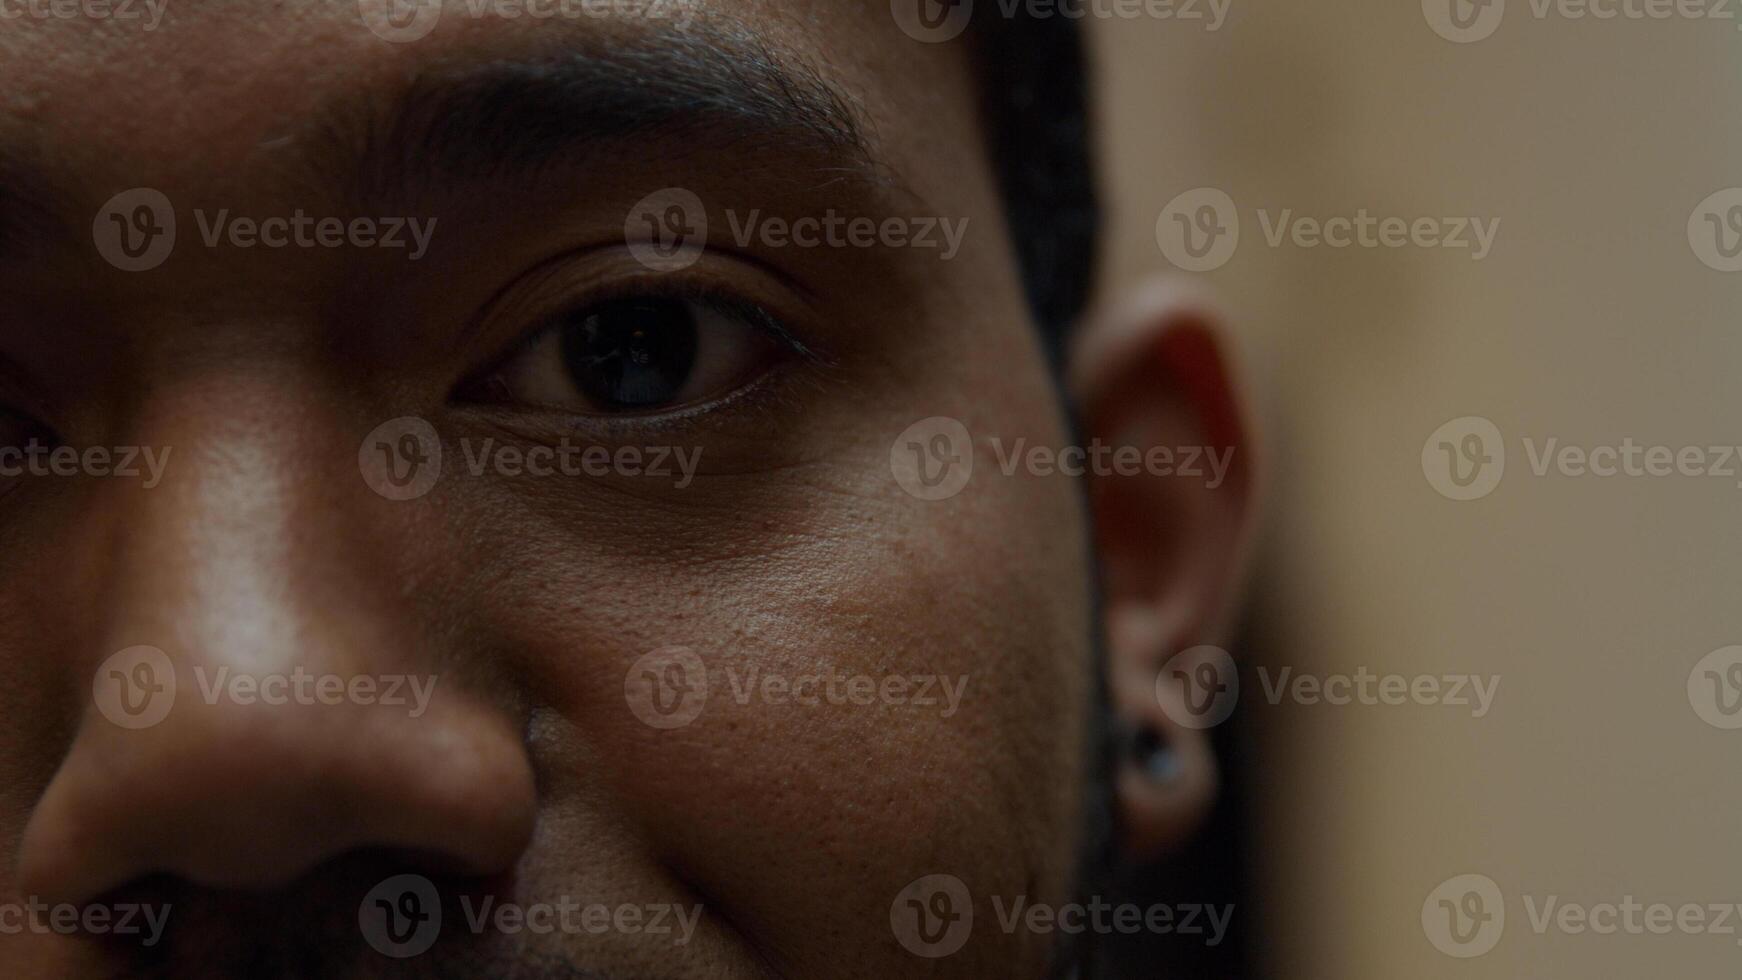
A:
(523, 145)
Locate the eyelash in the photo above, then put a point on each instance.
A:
(487, 387)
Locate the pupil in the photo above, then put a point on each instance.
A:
(631, 353)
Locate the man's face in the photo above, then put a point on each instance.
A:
(736, 670)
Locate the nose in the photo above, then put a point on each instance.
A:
(266, 692)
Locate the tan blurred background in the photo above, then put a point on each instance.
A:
(1592, 320)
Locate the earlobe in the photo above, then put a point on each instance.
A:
(1155, 389)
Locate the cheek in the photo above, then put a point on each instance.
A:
(895, 687)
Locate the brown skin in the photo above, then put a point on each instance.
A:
(794, 550)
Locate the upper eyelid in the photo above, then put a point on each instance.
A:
(753, 315)
(535, 315)
(700, 281)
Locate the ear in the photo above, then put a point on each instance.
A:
(1151, 372)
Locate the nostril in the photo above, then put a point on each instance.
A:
(253, 799)
(324, 912)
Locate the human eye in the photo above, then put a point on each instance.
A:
(637, 353)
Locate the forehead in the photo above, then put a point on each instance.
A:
(107, 94)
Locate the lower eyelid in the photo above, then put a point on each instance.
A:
(534, 374)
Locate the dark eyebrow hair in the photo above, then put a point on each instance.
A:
(580, 98)
(505, 116)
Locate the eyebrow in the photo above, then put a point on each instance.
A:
(717, 87)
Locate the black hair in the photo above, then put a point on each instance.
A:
(1034, 77)
(1035, 107)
